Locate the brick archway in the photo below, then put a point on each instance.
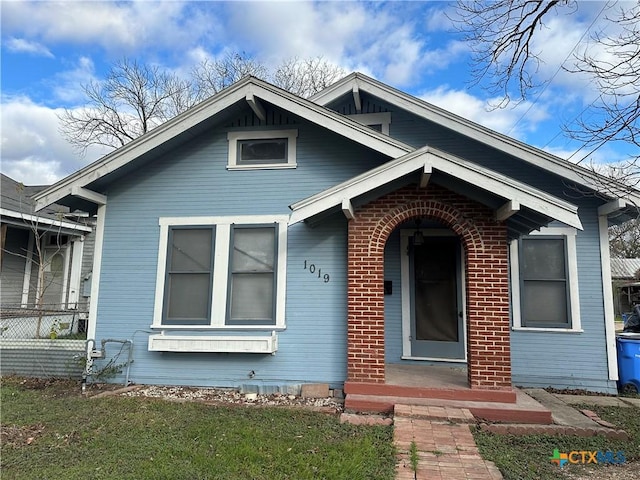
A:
(485, 245)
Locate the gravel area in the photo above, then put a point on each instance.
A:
(626, 471)
(233, 397)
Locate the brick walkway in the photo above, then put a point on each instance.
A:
(446, 449)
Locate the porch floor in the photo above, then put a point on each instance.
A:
(426, 376)
(442, 386)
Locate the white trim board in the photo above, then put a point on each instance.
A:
(37, 220)
(607, 292)
(429, 159)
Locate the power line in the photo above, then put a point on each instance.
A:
(559, 68)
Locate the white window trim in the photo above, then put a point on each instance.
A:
(574, 295)
(368, 119)
(235, 137)
(220, 269)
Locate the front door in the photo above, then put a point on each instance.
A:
(436, 313)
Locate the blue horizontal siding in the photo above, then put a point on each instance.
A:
(194, 181)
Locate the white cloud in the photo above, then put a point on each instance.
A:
(387, 41)
(514, 121)
(32, 149)
(67, 85)
(20, 45)
(120, 28)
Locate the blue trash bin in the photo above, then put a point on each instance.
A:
(628, 346)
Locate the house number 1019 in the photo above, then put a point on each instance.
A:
(313, 270)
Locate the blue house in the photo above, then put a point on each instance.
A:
(262, 238)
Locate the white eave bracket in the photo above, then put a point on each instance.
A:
(612, 207)
(507, 210)
(347, 209)
(89, 195)
(426, 176)
(356, 98)
(257, 107)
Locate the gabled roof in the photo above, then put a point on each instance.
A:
(525, 208)
(247, 89)
(17, 208)
(356, 82)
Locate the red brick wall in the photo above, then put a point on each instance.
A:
(485, 246)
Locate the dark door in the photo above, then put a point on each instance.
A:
(436, 313)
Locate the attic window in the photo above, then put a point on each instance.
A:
(377, 121)
(250, 149)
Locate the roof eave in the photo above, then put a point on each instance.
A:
(233, 94)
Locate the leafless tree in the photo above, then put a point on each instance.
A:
(132, 100)
(624, 239)
(501, 35)
(306, 77)
(211, 76)
(134, 97)
(613, 117)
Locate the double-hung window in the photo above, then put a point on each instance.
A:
(544, 281)
(189, 275)
(221, 272)
(252, 275)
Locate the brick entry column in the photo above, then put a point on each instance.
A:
(487, 295)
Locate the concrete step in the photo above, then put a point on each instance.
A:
(524, 410)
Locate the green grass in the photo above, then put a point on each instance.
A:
(528, 457)
(138, 438)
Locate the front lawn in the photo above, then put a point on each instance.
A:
(529, 457)
(54, 433)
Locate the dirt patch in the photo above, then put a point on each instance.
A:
(15, 436)
(57, 387)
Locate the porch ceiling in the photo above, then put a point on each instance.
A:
(522, 207)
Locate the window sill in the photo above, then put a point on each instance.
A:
(214, 344)
(263, 328)
(550, 330)
(266, 166)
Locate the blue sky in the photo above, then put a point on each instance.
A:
(50, 49)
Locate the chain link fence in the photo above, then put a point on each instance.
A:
(44, 321)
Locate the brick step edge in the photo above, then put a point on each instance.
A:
(554, 430)
(434, 413)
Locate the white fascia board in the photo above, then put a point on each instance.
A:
(426, 158)
(529, 154)
(206, 109)
(140, 145)
(333, 121)
(506, 187)
(37, 220)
